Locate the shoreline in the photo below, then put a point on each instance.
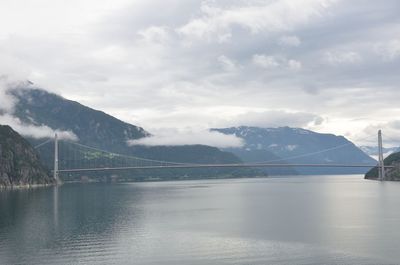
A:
(25, 186)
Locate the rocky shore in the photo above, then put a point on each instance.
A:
(391, 174)
(20, 166)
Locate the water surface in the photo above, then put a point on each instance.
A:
(296, 220)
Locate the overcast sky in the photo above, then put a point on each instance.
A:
(167, 65)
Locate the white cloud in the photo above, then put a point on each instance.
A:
(256, 16)
(155, 34)
(271, 62)
(389, 50)
(292, 41)
(132, 59)
(294, 65)
(6, 100)
(109, 54)
(189, 137)
(226, 63)
(266, 61)
(12, 68)
(390, 132)
(342, 57)
(225, 37)
(34, 131)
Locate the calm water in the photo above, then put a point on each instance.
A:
(299, 220)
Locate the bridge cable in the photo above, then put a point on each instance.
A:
(45, 142)
(127, 156)
(138, 159)
(312, 153)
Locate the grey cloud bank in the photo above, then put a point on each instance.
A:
(330, 66)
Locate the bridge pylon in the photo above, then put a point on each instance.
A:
(381, 167)
(55, 170)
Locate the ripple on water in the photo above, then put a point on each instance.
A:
(202, 222)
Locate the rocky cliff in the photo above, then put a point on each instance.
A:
(19, 163)
(392, 174)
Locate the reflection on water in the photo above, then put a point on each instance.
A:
(55, 206)
(302, 220)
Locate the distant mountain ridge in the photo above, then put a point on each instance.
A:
(100, 130)
(373, 150)
(296, 145)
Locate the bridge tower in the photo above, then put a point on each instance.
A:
(55, 171)
(381, 167)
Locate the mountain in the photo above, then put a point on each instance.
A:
(253, 155)
(100, 130)
(372, 151)
(19, 163)
(295, 145)
(392, 174)
(92, 127)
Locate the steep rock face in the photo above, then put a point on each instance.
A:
(19, 163)
(391, 174)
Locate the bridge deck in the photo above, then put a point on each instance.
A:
(254, 165)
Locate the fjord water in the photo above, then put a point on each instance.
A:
(294, 220)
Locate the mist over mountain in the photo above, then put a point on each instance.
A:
(39, 108)
(91, 127)
(373, 151)
(295, 145)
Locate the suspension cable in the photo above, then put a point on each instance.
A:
(127, 156)
(45, 142)
(177, 163)
(313, 153)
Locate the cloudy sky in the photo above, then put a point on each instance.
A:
(168, 65)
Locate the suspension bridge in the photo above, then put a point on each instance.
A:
(82, 158)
